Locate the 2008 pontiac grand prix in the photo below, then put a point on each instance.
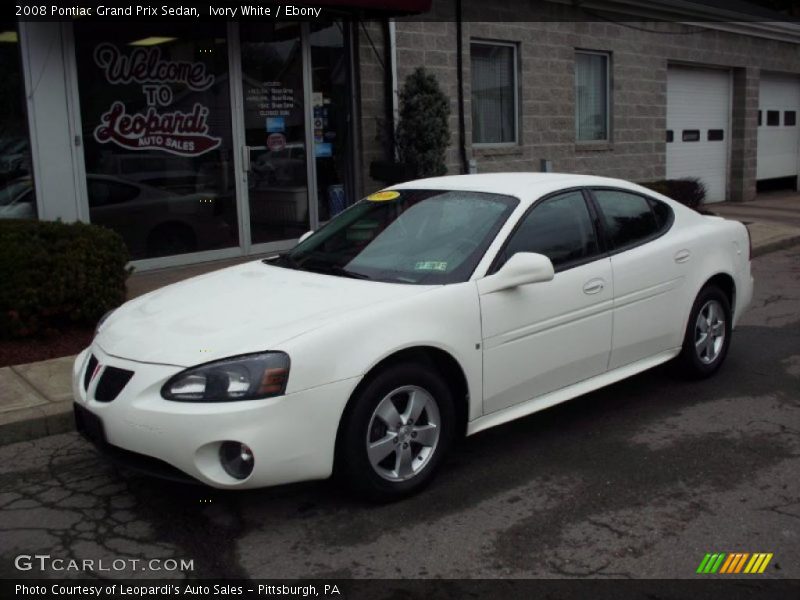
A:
(433, 309)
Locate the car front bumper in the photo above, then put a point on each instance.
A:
(292, 437)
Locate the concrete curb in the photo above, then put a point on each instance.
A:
(36, 422)
(776, 245)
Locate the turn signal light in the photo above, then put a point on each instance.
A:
(273, 381)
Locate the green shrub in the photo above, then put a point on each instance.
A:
(689, 192)
(54, 274)
(423, 132)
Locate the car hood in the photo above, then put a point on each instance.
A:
(246, 308)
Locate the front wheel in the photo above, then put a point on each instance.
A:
(708, 334)
(396, 432)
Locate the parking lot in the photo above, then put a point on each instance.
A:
(640, 479)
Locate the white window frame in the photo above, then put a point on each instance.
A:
(515, 68)
(607, 55)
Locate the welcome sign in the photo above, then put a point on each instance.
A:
(174, 131)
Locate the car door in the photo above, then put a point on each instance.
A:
(649, 269)
(541, 337)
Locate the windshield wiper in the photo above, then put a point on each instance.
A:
(351, 274)
(336, 270)
(341, 271)
(284, 259)
(287, 260)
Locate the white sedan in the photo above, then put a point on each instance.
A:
(433, 309)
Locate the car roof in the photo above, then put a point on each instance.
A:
(526, 186)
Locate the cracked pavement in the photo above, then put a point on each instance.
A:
(639, 479)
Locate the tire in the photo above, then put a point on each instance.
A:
(411, 450)
(700, 355)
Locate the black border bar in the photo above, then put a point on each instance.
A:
(441, 10)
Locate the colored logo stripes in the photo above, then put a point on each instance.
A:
(735, 562)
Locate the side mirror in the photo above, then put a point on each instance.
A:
(305, 236)
(521, 269)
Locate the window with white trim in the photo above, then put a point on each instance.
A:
(495, 102)
(592, 96)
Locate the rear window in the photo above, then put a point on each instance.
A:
(631, 219)
(662, 212)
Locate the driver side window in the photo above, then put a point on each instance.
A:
(561, 228)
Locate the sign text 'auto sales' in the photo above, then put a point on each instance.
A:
(174, 131)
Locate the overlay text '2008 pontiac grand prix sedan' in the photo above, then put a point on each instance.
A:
(437, 308)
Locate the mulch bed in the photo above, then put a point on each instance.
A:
(66, 342)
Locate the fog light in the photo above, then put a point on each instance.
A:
(237, 459)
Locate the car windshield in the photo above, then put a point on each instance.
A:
(405, 236)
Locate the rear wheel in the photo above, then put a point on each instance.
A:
(396, 432)
(708, 334)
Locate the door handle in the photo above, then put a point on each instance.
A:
(594, 286)
(681, 256)
(245, 158)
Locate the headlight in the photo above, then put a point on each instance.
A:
(102, 320)
(246, 377)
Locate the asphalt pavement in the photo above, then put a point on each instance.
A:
(638, 480)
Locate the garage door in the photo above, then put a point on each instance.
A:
(778, 133)
(698, 127)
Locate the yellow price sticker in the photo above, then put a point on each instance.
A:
(383, 196)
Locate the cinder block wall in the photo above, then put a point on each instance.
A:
(547, 36)
(371, 53)
(744, 134)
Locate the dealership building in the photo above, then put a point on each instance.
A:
(203, 139)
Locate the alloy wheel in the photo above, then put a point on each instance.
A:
(709, 332)
(403, 433)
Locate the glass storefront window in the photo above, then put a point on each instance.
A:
(156, 117)
(17, 200)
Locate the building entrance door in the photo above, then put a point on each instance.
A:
(295, 129)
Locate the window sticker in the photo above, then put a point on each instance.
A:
(383, 196)
(276, 124)
(431, 265)
(323, 150)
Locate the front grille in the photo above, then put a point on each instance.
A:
(90, 367)
(111, 383)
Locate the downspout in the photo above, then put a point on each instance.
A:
(393, 73)
(462, 124)
(389, 86)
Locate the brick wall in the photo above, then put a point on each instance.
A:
(546, 51)
(744, 134)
